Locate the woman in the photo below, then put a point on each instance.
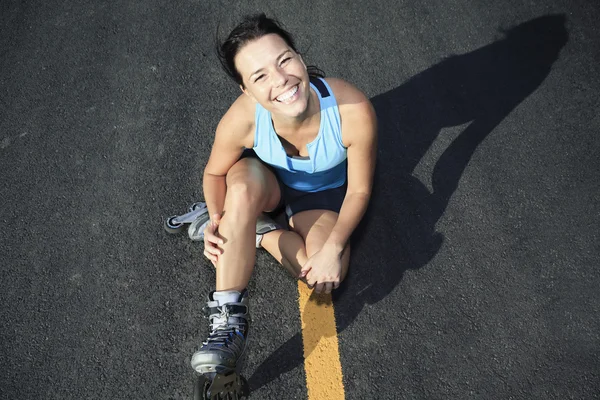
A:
(314, 146)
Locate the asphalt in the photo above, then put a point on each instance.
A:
(474, 274)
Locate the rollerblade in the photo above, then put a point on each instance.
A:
(197, 216)
(218, 359)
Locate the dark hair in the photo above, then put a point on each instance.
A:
(251, 28)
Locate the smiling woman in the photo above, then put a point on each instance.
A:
(294, 142)
(278, 83)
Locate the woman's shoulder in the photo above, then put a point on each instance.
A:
(241, 111)
(239, 120)
(345, 93)
(356, 112)
(353, 104)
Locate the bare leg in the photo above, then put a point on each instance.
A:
(288, 248)
(251, 188)
(293, 248)
(315, 226)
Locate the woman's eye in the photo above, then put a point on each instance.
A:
(285, 60)
(258, 78)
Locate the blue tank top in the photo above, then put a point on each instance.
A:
(326, 164)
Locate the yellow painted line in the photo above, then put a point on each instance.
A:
(321, 354)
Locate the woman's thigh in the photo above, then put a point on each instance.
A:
(256, 180)
(315, 226)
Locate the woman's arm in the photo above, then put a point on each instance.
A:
(359, 135)
(233, 133)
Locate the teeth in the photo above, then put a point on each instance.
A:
(288, 94)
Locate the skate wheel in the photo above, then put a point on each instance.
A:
(230, 386)
(245, 389)
(171, 226)
(201, 388)
(197, 205)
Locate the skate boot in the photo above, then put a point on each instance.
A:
(227, 337)
(264, 224)
(217, 360)
(197, 227)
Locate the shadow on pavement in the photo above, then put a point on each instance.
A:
(398, 232)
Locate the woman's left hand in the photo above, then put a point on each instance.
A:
(323, 270)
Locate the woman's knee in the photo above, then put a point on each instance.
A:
(247, 185)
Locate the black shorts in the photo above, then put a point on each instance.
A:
(294, 201)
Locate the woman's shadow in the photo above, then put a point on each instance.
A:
(480, 89)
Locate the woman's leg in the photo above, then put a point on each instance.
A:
(315, 226)
(288, 248)
(251, 189)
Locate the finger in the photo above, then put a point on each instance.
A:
(305, 269)
(310, 278)
(336, 285)
(212, 248)
(328, 286)
(304, 272)
(214, 251)
(211, 257)
(319, 287)
(212, 238)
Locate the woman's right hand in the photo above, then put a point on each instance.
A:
(212, 251)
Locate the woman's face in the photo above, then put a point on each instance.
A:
(274, 75)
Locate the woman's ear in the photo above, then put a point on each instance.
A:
(302, 60)
(247, 93)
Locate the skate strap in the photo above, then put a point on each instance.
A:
(233, 309)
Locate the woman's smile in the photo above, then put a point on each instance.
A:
(289, 96)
